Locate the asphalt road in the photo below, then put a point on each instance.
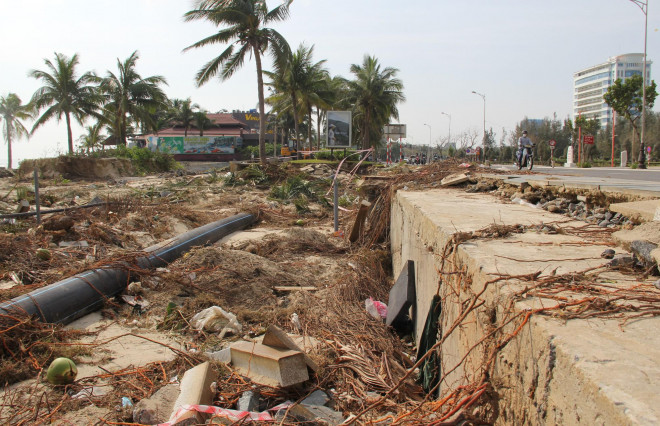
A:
(647, 175)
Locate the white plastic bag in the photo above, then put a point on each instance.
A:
(215, 318)
(375, 308)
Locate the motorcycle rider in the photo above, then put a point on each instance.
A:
(523, 142)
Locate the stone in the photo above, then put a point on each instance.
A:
(58, 222)
(23, 206)
(608, 254)
(73, 244)
(318, 397)
(315, 413)
(604, 223)
(157, 408)
(249, 401)
(649, 231)
(642, 250)
(553, 208)
(267, 365)
(620, 260)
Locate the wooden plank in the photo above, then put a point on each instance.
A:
(359, 221)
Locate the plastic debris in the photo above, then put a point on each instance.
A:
(375, 308)
(215, 318)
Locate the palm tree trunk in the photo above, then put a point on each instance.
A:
(309, 128)
(8, 147)
(68, 132)
(365, 133)
(318, 128)
(294, 103)
(262, 107)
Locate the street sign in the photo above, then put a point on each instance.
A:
(648, 149)
(552, 142)
(588, 140)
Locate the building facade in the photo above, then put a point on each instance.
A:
(590, 84)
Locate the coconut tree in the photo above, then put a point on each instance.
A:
(12, 111)
(130, 98)
(374, 94)
(202, 121)
(92, 138)
(242, 25)
(183, 113)
(64, 94)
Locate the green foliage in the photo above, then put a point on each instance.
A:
(22, 193)
(143, 159)
(584, 165)
(346, 200)
(302, 204)
(633, 165)
(293, 188)
(254, 174)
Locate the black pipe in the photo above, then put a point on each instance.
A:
(69, 299)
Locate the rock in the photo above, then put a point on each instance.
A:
(318, 397)
(604, 223)
(315, 413)
(23, 206)
(553, 208)
(642, 249)
(58, 222)
(572, 207)
(165, 194)
(608, 254)
(657, 284)
(157, 408)
(79, 244)
(249, 401)
(620, 260)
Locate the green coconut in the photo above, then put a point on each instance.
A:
(62, 371)
(43, 254)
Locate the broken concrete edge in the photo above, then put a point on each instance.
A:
(455, 179)
(276, 337)
(267, 365)
(195, 390)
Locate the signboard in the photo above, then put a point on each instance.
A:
(395, 131)
(552, 143)
(339, 129)
(648, 149)
(198, 144)
(588, 140)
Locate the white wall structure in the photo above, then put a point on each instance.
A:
(590, 84)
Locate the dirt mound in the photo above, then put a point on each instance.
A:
(101, 168)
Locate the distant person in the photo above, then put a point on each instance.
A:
(523, 142)
(331, 135)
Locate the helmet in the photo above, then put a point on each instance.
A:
(524, 132)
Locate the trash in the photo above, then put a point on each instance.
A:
(296, 321)
(608, 254)
(134, 287)
(403, 295)
(215, 318)
(231, 415)
(73, 244)
(318, 397)
(465, 165)
(62, 371)
(126, 402)
(338, 234)
(88, 393)
(23, 206)
(135, 301)
(375, 308)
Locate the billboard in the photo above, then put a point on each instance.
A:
(198, 144)
(339, 129)
(395, 131)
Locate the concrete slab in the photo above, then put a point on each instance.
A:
(269, 366)
(643, 211)
(277, 338)
(649, 231)
(402, 296)
(195, 389)
(553, 372)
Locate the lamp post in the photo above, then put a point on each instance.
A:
(448, 137)
(644, 7)
(484, 140)
(428, 152)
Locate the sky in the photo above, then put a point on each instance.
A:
(521, 54)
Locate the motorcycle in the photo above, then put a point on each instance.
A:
(526, 158)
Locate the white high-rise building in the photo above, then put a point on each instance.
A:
(590, 84)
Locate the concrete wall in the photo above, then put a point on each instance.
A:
(553, 371)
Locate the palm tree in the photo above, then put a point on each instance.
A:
(243, 23)
(93, 138)
(12, 111)
(130, 98)
(183, 113)
(202, 121)
(64, 94)
(374, 95)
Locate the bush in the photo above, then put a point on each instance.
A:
(143, 159)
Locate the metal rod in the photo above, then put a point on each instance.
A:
(37, 205)
(336, 204)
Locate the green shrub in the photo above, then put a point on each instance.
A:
(633, 165)
(294, 187)
(143, 159)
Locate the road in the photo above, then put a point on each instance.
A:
(641, 182)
